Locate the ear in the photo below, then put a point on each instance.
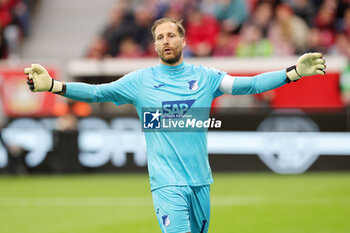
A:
(183, 42)
(155, 47)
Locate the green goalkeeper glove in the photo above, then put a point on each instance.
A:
(39, 80)
(308, 64)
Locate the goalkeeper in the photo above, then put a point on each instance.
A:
(178, 164)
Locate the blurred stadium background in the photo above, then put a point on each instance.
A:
(281, 160)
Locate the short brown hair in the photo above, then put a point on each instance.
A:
(178, 24)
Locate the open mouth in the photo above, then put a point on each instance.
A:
(167, 50)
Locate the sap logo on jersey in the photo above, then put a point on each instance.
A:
(176, 108)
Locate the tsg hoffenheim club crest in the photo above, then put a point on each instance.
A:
(193, 85)
(166, 220)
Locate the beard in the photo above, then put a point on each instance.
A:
(171, 60)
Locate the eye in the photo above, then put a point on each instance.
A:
(159, 37)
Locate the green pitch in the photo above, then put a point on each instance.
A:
(242, 203)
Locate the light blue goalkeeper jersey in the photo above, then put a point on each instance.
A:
(174, 158)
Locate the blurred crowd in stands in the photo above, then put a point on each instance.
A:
(14, 26)
(241, 28)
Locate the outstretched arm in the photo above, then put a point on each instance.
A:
(307, 65)
(39, 80)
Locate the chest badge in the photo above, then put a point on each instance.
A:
(193, 85)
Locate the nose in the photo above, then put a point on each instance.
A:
(165, 40)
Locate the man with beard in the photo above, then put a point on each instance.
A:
(178, 165)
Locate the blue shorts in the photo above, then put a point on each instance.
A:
(182, 209)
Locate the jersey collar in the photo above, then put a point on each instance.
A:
(172, 69)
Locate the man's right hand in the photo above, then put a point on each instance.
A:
(39, 80)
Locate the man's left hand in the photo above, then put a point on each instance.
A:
(308, 64)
